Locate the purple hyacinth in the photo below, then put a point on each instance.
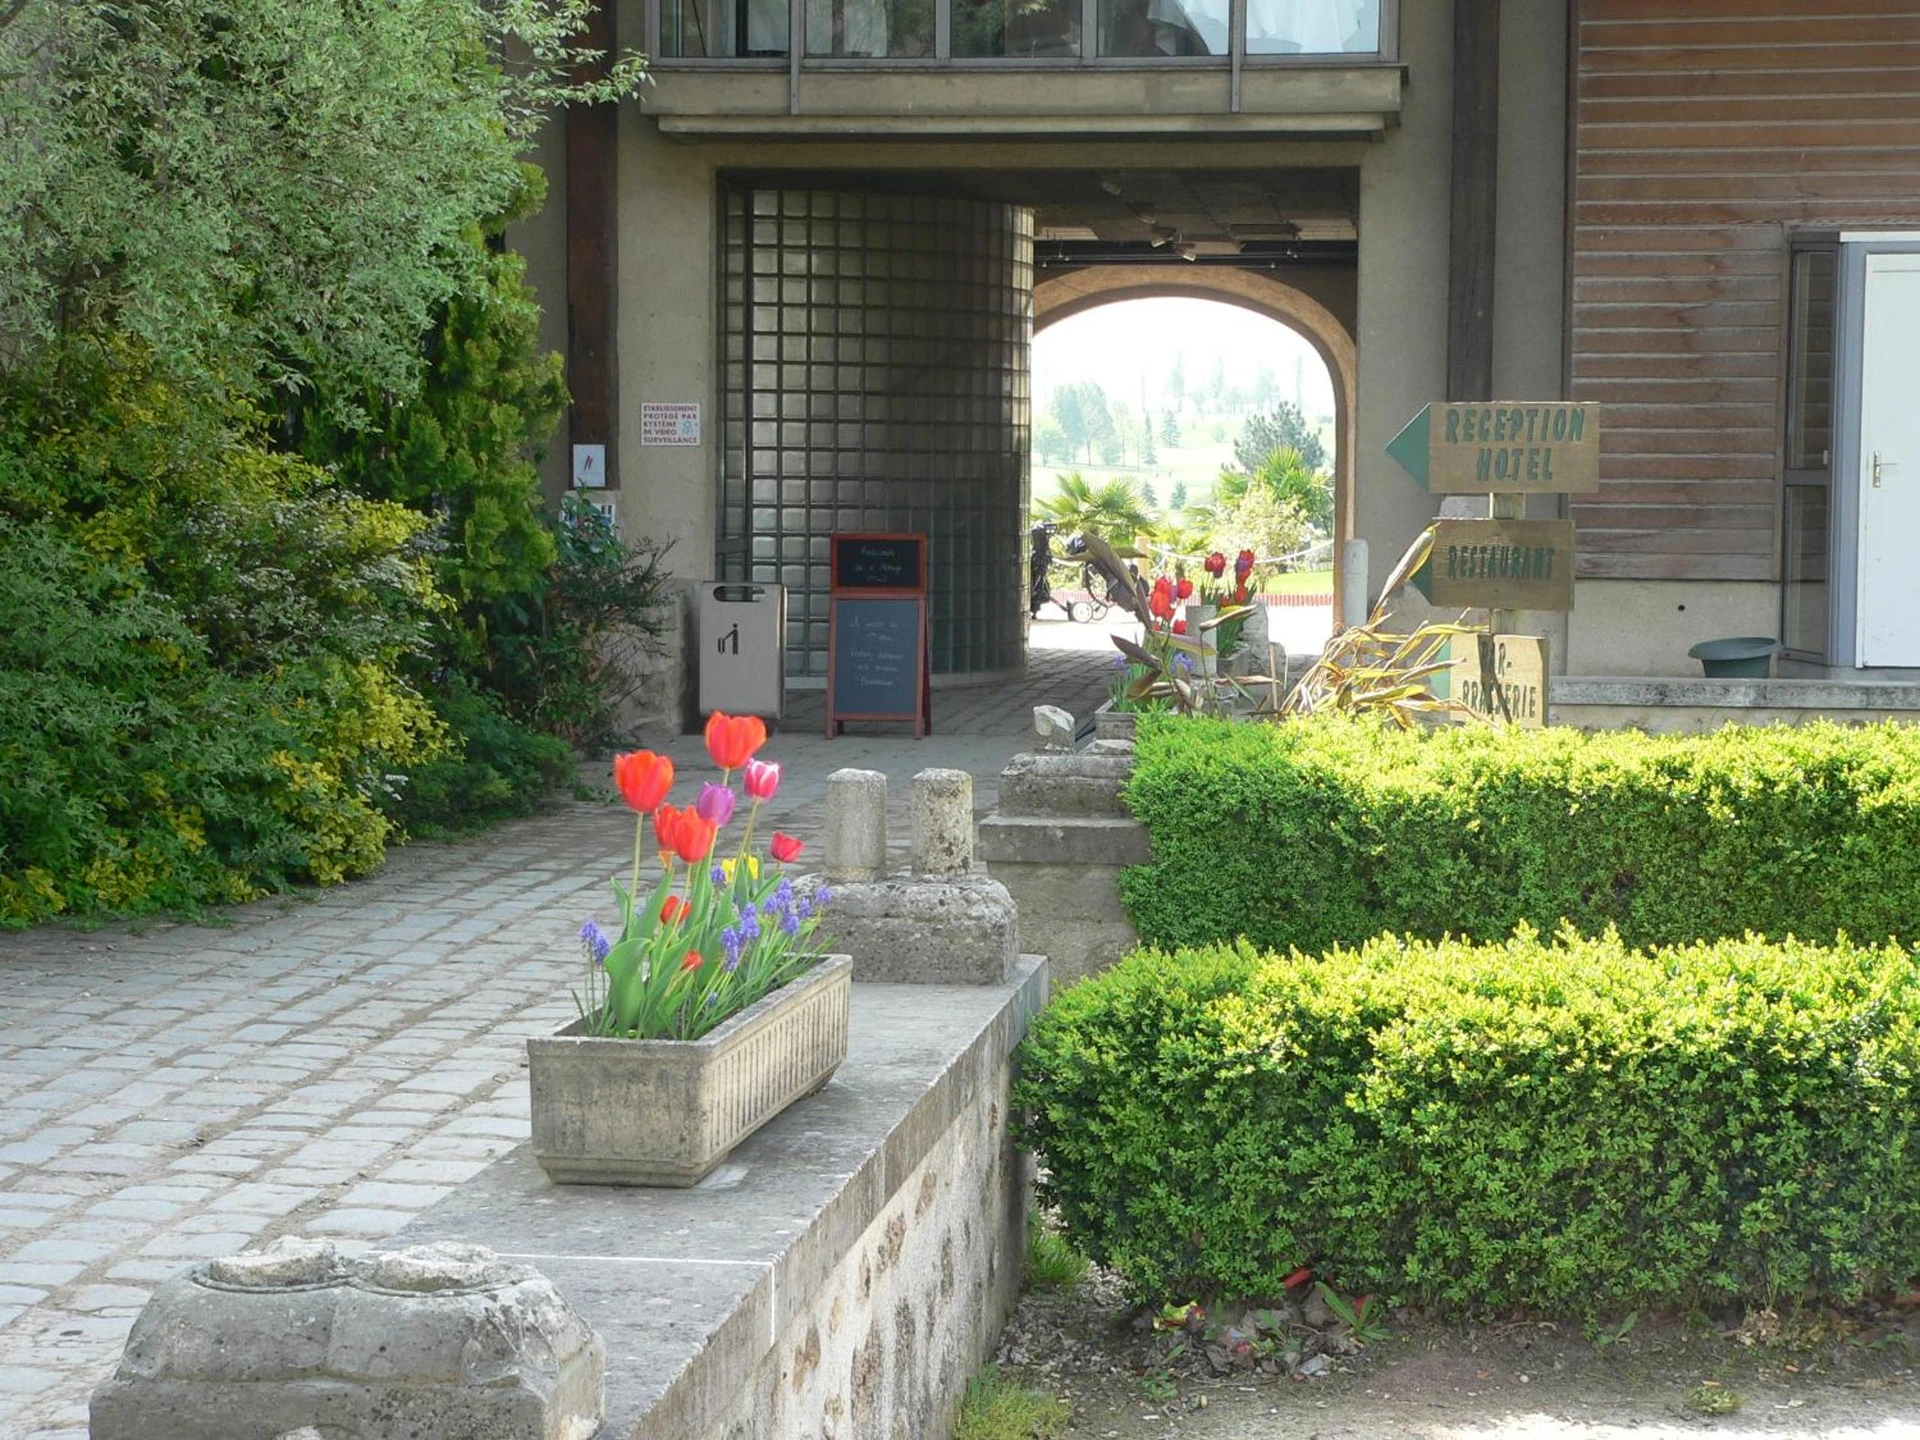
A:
(750, 924)
(822, 898)
(730, 942)
(595, 939)
(790, 922)
(719, 876)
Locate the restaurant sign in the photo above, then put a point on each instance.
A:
(1499, 565)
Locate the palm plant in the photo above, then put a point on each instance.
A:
(1112, 507)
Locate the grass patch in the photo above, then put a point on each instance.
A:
(995, 1408)
(1052, 1262)
(1299, 582)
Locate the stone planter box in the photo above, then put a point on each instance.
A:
(1112, 724)
(665, 1112)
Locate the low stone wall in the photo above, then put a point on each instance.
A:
(1059, 841)
(840, 1275)
(1693, 705)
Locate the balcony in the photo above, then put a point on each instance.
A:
(1053, 69)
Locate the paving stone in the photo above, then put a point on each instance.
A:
(335, 1065)
(108, 1297)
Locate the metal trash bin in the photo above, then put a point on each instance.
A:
(742, 629)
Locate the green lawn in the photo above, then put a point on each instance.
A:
(1299, 582)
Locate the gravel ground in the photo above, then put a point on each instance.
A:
(1829, 1377)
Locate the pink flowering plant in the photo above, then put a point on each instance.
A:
(719, 930)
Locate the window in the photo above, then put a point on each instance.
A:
(870, 29)
(1030, 29)
(1025, 29)
(717, 29)
(1809, 451)
(1312, 27)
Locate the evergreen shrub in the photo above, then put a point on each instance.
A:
(1569, 1125)
(1329, 831)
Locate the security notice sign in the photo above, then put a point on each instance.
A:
(670, 423)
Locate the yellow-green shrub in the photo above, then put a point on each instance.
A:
(1569, 1125)
(1327, 831)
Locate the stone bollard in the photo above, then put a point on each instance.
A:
(856, 825)
(945, 925)
(1052, 728)
(297, 1339)
(941, 807)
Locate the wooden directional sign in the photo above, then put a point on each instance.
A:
(1514, 447)
(1499, 565)
(1502, 678)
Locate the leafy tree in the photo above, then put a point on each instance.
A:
(1258, 521)
(1284, 428)
(1112, 509)
(1049, 439)
(1285, 476)
(461, 450)
(260, 194)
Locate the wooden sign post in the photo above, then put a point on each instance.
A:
(1505, 450)
(1508, 447)
(878, 667)
(1499, 565)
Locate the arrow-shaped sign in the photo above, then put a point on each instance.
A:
(1506, 447)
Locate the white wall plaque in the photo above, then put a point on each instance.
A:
(589, 467)
(669, 423)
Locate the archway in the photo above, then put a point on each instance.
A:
(1066, 293)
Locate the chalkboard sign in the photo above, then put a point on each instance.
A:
(880, 562)
(878, 662)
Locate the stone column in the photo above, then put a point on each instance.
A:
(856, 825)
(941, 807)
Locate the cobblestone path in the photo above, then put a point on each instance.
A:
(330, 1065)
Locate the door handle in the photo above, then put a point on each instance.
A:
(1879, 465)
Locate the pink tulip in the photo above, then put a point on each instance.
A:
(762, 778)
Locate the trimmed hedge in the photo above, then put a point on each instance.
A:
(1572, 1126)
(1327, 832)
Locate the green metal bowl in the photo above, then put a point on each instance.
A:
(1738, 657)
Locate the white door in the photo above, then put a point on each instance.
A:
(1890, 464)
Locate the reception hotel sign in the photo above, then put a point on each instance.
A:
(1511, 448)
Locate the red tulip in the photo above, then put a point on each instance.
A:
(1160, 602)
(761, 780)
(690, 960)
(1179, 627)
(1216, 564)
(666, 828)
(1243, 565)
(693, 842)
(673, 910)
(682, 833)
(1184, 589)
(732, 739)
(643, 779)
(785, 848)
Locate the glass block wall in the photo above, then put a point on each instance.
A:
(876, 353)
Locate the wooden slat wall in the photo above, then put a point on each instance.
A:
(1706, 131)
